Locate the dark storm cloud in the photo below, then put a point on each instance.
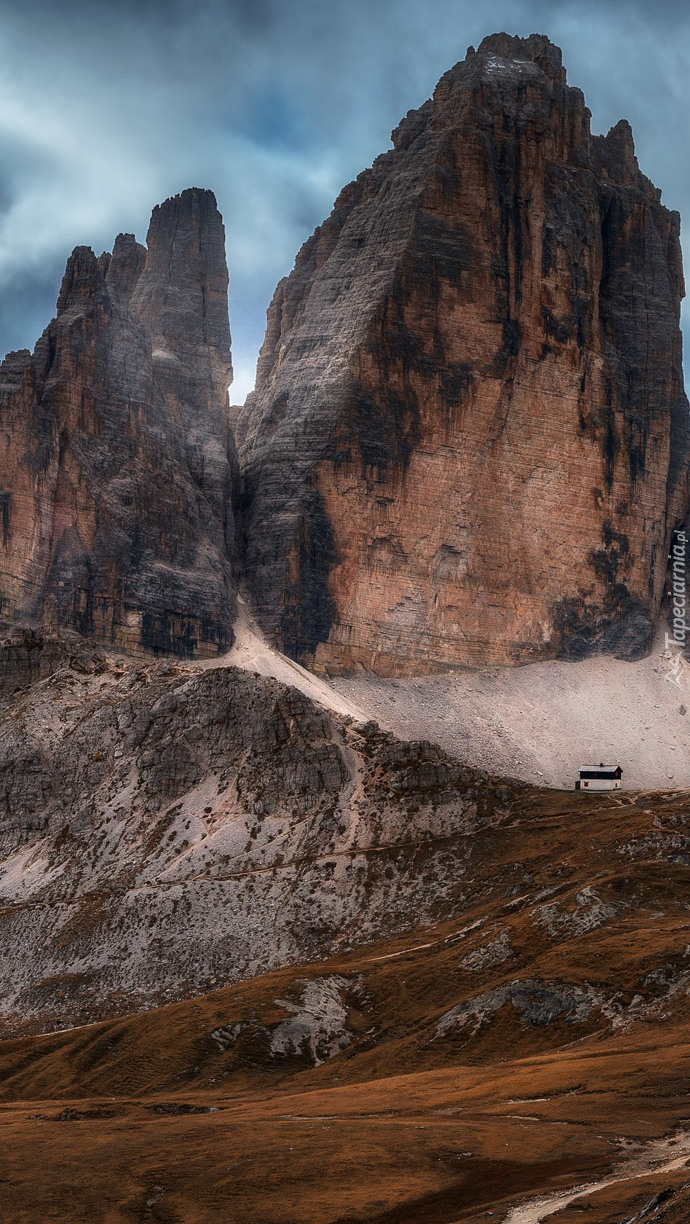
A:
(107, 108)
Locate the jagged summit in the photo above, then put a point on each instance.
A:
(469, 434)
(117, 463)
(504, 69)
(535, 57)
(536, 48)
(468, 441)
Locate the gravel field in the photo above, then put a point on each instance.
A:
(538, 722)
(542, 721)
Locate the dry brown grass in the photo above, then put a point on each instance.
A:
(153, 1118)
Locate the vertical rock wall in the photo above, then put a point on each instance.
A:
(117, 464)
(469, 435)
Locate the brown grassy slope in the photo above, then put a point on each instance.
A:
(530, 1044)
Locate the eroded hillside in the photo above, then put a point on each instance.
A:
(532, 1046)
(165, 829)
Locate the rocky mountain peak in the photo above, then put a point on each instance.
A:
(125, 266)
(117, 470)
(505, 63)
(616, 153)
(536, 49)
(182, 292)
(82, 281)
(469, 433)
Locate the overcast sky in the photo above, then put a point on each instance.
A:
(107, 108)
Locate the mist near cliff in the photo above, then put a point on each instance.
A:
(107, 108)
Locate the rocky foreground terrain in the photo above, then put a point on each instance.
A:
(164, 829)
(524, 1055)
(458, 997)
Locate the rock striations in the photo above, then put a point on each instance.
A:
(468, 438)
(116, 458)
(164, 827)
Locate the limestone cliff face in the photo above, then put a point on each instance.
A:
(468, 438)
(116, 458)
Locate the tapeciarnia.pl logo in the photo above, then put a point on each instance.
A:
(673, 646)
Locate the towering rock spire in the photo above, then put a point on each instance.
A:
(468, 438)
(116, 459)
(182, 294)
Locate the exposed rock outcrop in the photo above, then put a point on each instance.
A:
(27, 656)
(469, 434)
(162, 829)
(117, 463)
